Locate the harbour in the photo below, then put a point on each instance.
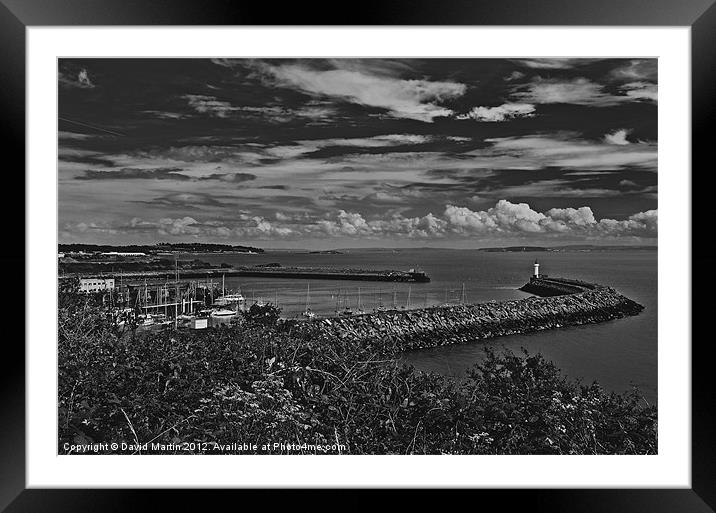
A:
(379, 256)
(458, 277)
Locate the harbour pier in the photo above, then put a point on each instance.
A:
(559, 303)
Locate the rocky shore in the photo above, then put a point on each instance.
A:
(564, 303)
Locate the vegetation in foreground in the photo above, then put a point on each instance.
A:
(260, 384)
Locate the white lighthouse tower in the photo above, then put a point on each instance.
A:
(536, 274)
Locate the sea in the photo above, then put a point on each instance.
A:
(618, 354)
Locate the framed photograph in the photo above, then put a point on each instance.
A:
(418, 251)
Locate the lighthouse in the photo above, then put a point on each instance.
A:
(536, 273)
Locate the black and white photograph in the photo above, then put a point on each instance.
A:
(357, 256)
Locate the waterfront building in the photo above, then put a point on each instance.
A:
(124, 254)
(89, 285)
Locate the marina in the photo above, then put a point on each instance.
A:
(457, 277)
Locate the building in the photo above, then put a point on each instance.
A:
(96, 284)
(124, 254)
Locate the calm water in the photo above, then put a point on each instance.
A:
(616, 353)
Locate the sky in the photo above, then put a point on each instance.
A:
(336, 153)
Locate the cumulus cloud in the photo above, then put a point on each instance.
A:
(411, 99)
(582, 216)
(500, 113)
(181, 226)
(258, 227)
(519, 218)
(504, 219)
(353, 224)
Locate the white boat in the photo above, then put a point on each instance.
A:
(308, 314)
(231, 299)
(145, 320)
(222, 313)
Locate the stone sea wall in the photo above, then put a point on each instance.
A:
(566, 303)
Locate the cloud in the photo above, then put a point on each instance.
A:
(187, 200)
(504, 219)
(410, 99)
(618, 137)
(164, 114)
(582, 216)
(182, 226)
(580, 91)
(62, 134)
(637, 70)
(518, 218)
(230, 177)
(559, 63)
(129, 173)
(534, 152)
(78, 79)
(353, 224)
(209, 105)
(377, 141)
(515, 75)
(91, 227)
(641, 91)
(557, 189)
(500, 113)
(161, 173)
(346, 223)
(83, 78)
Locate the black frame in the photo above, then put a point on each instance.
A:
(700, 15)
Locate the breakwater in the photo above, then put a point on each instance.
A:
(561, 303)
(305, 273)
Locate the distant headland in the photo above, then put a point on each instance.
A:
(162, 247)
(573, 247)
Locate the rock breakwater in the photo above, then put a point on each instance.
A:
(565, 303)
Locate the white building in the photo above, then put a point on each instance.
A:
(96, 284)
(124, 254)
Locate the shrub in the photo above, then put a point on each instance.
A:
(261, 383)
